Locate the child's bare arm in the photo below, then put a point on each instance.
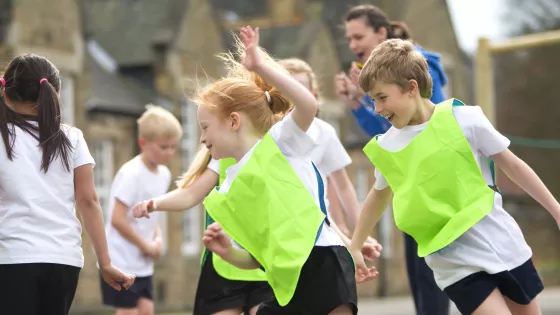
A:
(179, 199)
(241, 259)
(120, 222)
(524, 176)
(183, 199)
(374, 206)
(89, 208)
(347, 195)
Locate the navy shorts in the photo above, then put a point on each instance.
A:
(521, 285)
(143, 287)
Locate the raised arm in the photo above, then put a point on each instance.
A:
(305, 104)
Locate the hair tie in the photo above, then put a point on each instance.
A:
(268, 99)
(43, 80)
(3, 82)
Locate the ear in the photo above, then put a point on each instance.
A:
(382, 32)
(141, 142)
(413, 90)
(235, 120)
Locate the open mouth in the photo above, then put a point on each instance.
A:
(208, 147)
(360, 55)
(389, 117)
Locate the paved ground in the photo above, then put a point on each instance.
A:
(549, 301)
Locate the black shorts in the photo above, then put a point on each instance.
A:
(215, 293)
(327, 281)
(37, 289)
(143, 287)
(521, 285)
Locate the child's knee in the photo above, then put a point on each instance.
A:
(342, 310)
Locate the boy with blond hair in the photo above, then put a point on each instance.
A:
(134, 244)
(437, 161)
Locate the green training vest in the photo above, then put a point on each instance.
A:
(223, 268)
(439, 191)
(271, 214)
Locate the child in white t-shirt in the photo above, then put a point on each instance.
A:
(46, 171)
(136, 244)
(330, 157)
(436, 161)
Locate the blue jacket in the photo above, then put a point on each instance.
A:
(374, 124)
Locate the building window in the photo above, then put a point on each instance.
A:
(103, 172)
(67, 99)
(189, 145)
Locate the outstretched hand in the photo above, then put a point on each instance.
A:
(144, 208)
(251, 58)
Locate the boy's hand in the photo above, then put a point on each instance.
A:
(363, 273)
(153, 250)
(216, 240)
(251, 59)
(114, 276)
(143, 209)
(371, 251)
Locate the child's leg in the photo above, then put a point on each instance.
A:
(145, 306)
(518, 309)
(495, 304)
(126, 311)
(144, 291)
(234, 311)
(342, 310)
(58, 288)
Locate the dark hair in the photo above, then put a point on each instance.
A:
(400, 30)
(24, 84)
(373, 16)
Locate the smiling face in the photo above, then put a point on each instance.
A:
(216, 133)
(394, 103)
(362, 38)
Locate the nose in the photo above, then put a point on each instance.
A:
(377, 108)
(353, 45)
(202, 139)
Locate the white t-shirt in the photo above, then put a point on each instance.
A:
(38, 222)
(134, 183)
(329, 154)
(493, 244)
(297, 146)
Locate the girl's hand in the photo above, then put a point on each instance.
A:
(114, 276)
(143, 209)
(251, 59)
(363, 273)
(216, 240)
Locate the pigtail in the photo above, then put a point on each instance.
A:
(52, 139)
